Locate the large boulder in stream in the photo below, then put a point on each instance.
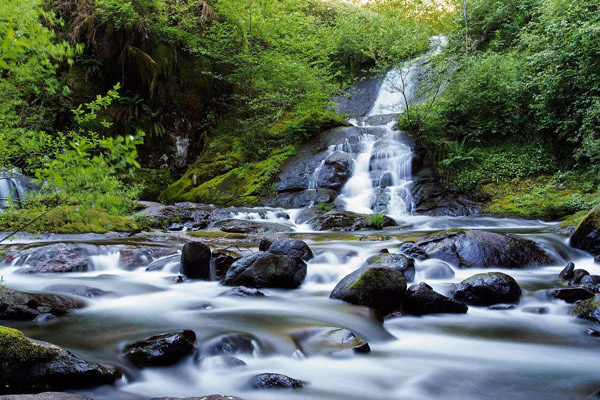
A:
(45, 396)
(274, 381)
(250, 226)
(31, 366)
(292, 248)
(589, 309)
(488, 289)
(195, 261)
(329, 341)
(16, 305)
(161, 350)
(267, 270)
(52, 258)
(380, 288)
(482, 249)
(347, 221)
(395, 261)
(421, 299)
(587, 235)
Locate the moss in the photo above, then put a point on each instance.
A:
(305, 125)
(240, 186)
(17, 348)
(373, 278)
(152, 181)
(588, 309)
(67, 219)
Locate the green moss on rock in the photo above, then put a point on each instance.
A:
(589, 309)
(16, 348)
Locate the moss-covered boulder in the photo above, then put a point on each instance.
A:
(348, 221)
(589, 309)
(587, 235)
(380, 288)
(396, 261)
(31, 366)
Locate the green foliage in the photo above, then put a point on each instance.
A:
(16, 348)
(325, 206)
(377, 220)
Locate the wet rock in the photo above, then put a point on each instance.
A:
(211, 397)
(345, 221)
(161, 350)
(572, 295)
(43, 318)
(380, 288)
(250, 226)
(274, 381)
(536, 310)
(590, 280)
(567, 272)
(421, 299)
(482, 249)
(78, 290)
(54, 258)
(592, 332)
(220, 362)
(266, 270)
(242, 291)
(264, 244)
(292, 248)
(329, 341)
(132, 258)
(578, 275)
(587, 234)
(502, 307)
(178, 216)
(45, 396)
(304, 198)
(223, 259)
(335, 171)
(395, 261)
(488, 289)
(234, 343)
(195, 261)
(31, 366)
(588, 309)
(436, 269)
(15, 305)
(412, 250)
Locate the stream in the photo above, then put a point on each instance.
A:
(484, 354)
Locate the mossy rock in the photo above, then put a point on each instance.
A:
(17, 348)
(587, 233)
(589, 309)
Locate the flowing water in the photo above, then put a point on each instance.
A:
(485, 354)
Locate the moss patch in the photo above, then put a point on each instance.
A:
(302, 126)
(67, 219)
(15, 347)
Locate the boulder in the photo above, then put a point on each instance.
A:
(345, 221)
(274, 381)
(263, 269)
(589, 309)
(412, 250)
(242, 291)
(53, 258)
(567, 272)
(195, 261)
(292, 248)
(78, 290)
(31, 366)
(572, 295)
(587, 234)
(335, 171)
(395, 261)
(178, 216)
(329, 341)
(250, 226)
(304, 198)
(223, 259)
(134, 257)
(161, 350)
(264, 244)
(220, 362)
(16, 305)
(578, 275)
(380, 288)
(45, 396)
(233, 343)
(536, 310)
(421, 299)
(488, 289)
(436, 269)
(482, 249)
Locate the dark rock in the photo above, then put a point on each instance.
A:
(345, 221)
(578, 275)
(395, 261)
(55, 258)
(305, 198)
(587, 234)
(437, 270)
(597, 259)
(218, 362)
(292, 248)
(15, 305)
(567, 272)
(31, 366)
(250, 226)
(234, 343)
(412, 250)
(588, 309)
(482, 249)
(380, 288)
(384, 251)
(161, 350)
(590, 280)
(45, 396)
(43, 318)
(79, 290)
(132, 258)
(536, 310)
(358, 99)
(264, 244)
(572, 295)
(195, 261)
(592, 332)
(241, 291)
(329, 341)
(190, 216)
(421, 299)
(336, 170)
(274, 381)
(502, 307)
(266, 270)
(223, 259)
(488, 289)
